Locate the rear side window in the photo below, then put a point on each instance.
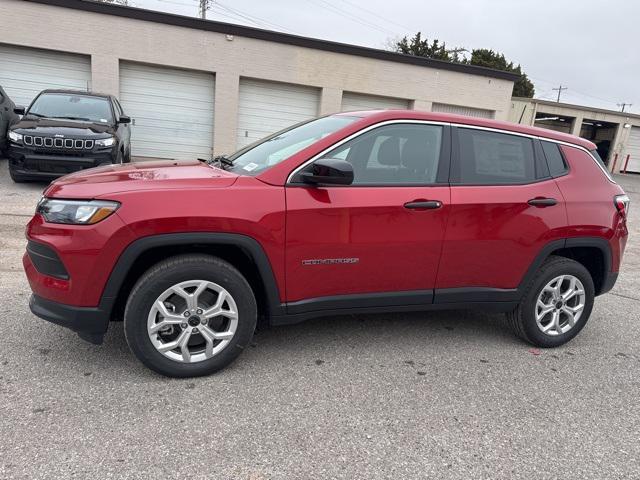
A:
(491, 158)
(555, 160)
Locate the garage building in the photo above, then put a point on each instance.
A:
(196, 88)
(616, 134)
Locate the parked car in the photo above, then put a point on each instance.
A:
(7, 118)
(350, 213)
(64, 131)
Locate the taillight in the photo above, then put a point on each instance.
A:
(622, 204)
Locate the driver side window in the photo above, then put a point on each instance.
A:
(401, 154)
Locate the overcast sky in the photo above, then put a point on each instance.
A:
(591, 46)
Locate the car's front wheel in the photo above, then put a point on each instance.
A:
(190, 315)
(556, 304)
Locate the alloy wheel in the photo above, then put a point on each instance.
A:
(192, 321)
(560, 305)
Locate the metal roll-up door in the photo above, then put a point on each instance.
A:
(172, 110)
(25, 72)
(460, 110)
(633, 149)
(357, 101)
(266, 107)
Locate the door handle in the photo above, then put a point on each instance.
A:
(423, 204)
(542, 202)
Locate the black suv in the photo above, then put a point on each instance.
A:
(64, 131)
(7, 118)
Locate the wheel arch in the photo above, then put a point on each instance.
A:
(594, 253)
(243, 252)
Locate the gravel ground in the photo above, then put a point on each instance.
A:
(437, 395)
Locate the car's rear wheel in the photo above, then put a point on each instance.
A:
(556, 304)
(190, 315)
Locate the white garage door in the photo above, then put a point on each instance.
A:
(358, 101)
(633, 149)
(172, 110)
(459, 110)
(266, 107)
(25, 72)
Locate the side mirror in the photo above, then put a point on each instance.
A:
(328, 171)
(19, 110)
(124, 119)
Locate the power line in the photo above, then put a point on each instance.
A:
(250, 17)
(348, 15)
(370, 12)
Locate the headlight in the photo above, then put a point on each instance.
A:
(75, 212)
(106, 142)
(15, 137)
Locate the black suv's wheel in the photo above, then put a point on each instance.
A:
(17, 178)
(190, 315)
(556, 304)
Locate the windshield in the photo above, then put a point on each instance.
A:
(73, 107)
(270, 151)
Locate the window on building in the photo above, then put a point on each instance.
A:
(489, 158)
(555, 160)
(394, 154)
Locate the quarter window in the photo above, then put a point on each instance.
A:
(490, 158)
(393, 155)
(555, 160)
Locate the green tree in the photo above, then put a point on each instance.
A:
(482, 57)
(421, 47)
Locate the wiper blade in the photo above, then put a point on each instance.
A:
(75, 118)
(220, 161)
(35, 115)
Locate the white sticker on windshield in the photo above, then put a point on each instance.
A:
(104, 120)
(250, 167)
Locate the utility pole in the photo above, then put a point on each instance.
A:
(203, 7)
(622, 105)
(559, 89)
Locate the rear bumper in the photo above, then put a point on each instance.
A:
(90, 323)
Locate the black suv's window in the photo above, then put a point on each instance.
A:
(492, 158)
(119, 110)
(73, 107)
(555, 160)
(393, 155)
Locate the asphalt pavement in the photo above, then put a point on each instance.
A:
(426, 395)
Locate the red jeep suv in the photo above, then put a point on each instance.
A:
(349, 213)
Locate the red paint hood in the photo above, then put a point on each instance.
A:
(156, 175)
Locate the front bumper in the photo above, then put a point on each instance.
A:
(90, 323)
(29, 162)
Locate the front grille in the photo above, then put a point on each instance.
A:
(51, 142)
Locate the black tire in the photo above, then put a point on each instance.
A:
(17, 178)
(127, 158)
(522, 320)
(119, 158)
(171, 272)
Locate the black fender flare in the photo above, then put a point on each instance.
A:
(596, 242)
(133, 251)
